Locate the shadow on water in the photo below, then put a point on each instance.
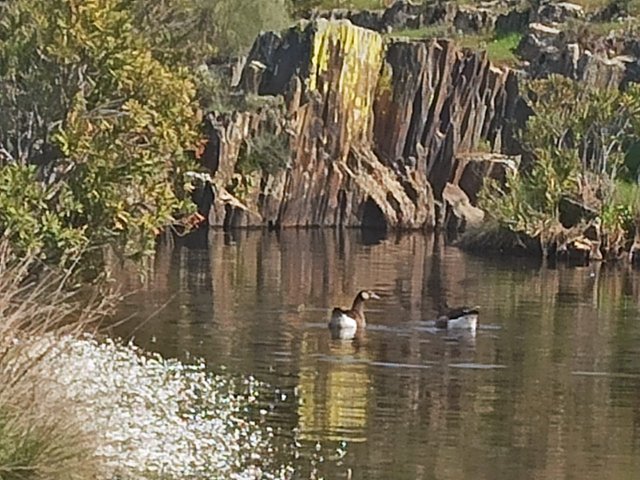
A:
(548, 387)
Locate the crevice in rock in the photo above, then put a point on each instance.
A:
(372, 216)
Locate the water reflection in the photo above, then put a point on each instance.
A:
(548, 388)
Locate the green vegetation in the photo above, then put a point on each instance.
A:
(578, 138)
(438, 30)
(93, 133)
(300, 6)
(192, 31)
(500, 48)
(264, 153)
(100, 114)
(215, 94)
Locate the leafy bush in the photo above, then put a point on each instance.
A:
(192, 31)
(578, 136)
(93, 133)
(215, 94)
(266, 153)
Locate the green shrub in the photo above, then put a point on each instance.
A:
(578, 137)
(192, 31)
(93, 133)
(266, 152)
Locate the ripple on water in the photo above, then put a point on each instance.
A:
(582, 373)
(477, 366)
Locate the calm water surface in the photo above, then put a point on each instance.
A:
(549, 387)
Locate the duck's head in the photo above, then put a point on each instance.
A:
(367, 295)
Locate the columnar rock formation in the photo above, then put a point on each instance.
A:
(372, 128)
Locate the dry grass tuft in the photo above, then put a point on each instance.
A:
(40, 438)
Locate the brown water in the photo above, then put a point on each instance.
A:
(549, 387)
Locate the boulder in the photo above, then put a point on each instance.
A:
(559, 12)
(460, 213)
(538, 40)
(474, 168)
(593, 233)
(573, 212)
(371, 19)
(512, 21)
(402, 14)
(603, 72)
(439, 12)
(634, 252)
(474, 20)
(613, 10)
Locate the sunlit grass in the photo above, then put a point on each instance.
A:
(627, 193)
(433, 31)
(353, 4)
(500, 48)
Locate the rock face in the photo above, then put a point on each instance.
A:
(559, 12)
(557, 35)
(603, 63)
(372, 132)
(473, 19)
(474, 169)
(460, 214)
(435, 101)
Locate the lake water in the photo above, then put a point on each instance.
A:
(548, 388)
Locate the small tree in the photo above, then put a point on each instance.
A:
(93, 132)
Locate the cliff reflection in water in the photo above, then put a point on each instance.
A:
(548, 388)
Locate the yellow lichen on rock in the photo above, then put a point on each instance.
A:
(345, 67)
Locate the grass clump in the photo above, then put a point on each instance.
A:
(301, 6)
(39, 437)
(264, 154)
(500, 48)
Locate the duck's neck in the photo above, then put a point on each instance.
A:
(358, 309)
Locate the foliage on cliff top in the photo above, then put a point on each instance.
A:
(578, 137)
(193, 31)
(93, 131)
(500, 48)
(299, 7)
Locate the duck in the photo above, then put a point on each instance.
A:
(353, 319)
(459, 318)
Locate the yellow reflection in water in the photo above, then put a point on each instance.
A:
(334, 393)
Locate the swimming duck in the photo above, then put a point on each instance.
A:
(459, 318)
(351, 319)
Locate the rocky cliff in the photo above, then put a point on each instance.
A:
(373, 129)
